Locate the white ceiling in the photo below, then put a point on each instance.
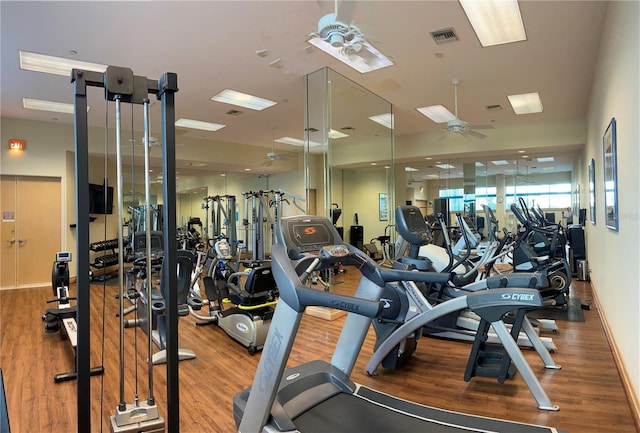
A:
(212, 45)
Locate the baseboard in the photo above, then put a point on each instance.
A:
(27, 286)
(325, 313)
(632, 397)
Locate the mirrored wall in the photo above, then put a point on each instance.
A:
(349, 142)
(468, 184)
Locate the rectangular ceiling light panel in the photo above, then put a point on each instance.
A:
(243, 100)
(55, 65)
(198, 124)
(296, 142)
(437, 113)
(366, 60)
(526, 103)
(495, 21)
(57, 107)
(445, 166)
(500, 162)
(385, 119)
(333, 134)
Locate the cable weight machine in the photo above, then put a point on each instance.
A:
(223, 219)
(258, 207)
(121, 86)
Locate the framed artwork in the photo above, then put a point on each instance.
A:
(592, 191)
(610, 176)
(383, 206)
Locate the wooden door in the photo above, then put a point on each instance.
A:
(8, 252)
(35, 205)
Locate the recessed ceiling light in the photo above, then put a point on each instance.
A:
(526, 103)
(432, 175)
(500, 162)
(521, 151)
(495, 22)
(55, 65)
(437, 113)
(410, 169)
(247, 169)
(39, 104)
(385, 119)
(233, 97)
(546, 159)
(198, 124)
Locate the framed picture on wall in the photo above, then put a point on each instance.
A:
(383, 205)
(610, 176)
(592, 191)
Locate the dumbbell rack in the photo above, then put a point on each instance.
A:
(104, 261)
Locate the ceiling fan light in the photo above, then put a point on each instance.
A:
(526, 103)
(437, 113)
(372, 62)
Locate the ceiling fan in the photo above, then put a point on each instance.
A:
(459, 126)
(273, 156)
(338, 36)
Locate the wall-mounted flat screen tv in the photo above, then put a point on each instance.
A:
(100, 199)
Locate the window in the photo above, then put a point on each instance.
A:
(556, 195)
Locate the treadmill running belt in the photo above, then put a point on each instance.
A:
(347, 413)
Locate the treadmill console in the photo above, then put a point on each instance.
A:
(309, 233)
(412, 226)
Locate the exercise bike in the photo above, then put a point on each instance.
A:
(64, 317)
(241, 303)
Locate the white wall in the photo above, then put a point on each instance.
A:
(613, 256)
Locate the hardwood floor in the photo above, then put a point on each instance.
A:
(588, 388)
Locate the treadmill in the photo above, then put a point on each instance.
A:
(319, 396)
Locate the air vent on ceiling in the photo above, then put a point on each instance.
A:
(494, 107)
(348, 128)
(444, 35)
(234, 112)
(312, 129)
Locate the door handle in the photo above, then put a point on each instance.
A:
(12, 241)
(21, 241)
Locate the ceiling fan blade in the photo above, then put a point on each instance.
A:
(476, 134)
(344, 11)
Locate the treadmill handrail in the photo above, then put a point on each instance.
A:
(295, 294)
